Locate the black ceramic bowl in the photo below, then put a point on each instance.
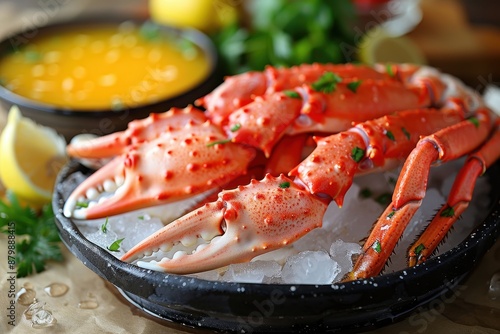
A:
(244, 307)
(70, 122)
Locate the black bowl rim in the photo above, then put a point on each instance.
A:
(478, 242)
(195, 36)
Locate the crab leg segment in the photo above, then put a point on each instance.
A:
(329, 105)
(176, 165)
(239, 90)
(445, 145)
(240, 225)
(458, 200)
(373, 145)
(138, 131)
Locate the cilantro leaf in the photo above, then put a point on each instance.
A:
(115, 246)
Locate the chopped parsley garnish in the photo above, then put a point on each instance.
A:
(285, 185)
(388, 68)
(474, 121)
(217, 142)
(37, 238)
(140, 217)
(448, 212)
(353, 86)
(235, 127)
(419, 249)
(327, 83)
(293, 94)
(406, 133)
(104, 227)
(391, 214)
(377, 247)
(32, 56)
(82, 204)
(390, 135)
(357, 154)
(115, 246)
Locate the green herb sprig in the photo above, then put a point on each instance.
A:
(37, 239)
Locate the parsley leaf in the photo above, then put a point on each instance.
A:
(37, 238)
(285, 185)
(115, 246)
(104, 227)
(357, 154)
(353, 86)
(327, 83)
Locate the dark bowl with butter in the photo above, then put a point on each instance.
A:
(95, 75)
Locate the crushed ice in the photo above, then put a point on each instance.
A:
(324, 255)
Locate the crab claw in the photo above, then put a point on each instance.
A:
(176, 165)
(241, 224)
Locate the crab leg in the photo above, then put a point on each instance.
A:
(276, 211)
(445, 145)
(239, 90)
(458, 200)
(240, 225)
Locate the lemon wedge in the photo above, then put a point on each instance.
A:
(31, 155)
(378, 46)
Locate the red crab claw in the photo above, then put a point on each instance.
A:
(176, 165)
(138, 131)
(240, 225)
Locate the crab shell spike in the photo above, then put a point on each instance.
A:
(253, 219)
(138, 131)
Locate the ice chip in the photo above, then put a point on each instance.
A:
(343, 253)
(251, 272)
(310, 267)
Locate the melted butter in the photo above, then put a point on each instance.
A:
(103, 66)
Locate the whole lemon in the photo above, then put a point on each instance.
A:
(204, 15)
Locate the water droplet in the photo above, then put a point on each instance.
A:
(494, 290)
(56, 289)
(25, 296)
(28, 285)
(42, 318)
(88, 304)
(32, 309)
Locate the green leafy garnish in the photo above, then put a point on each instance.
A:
(217, 142)
(285, 185)
(353, 86)
(388, 68)
(286, 33)
(150, 32)
(406, 133)
(390, 215)
(115, 246)
(293, 94)
(104, 227)
(390, 135)
(357, 154)
(448, 212)
(140, 217)
(474, 121)
(327, 83)
(36, 236)
(235, 127)
(419, 249)
(82, 205)
(377, 247)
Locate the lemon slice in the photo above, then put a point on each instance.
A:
(31, 155)
(377, 46)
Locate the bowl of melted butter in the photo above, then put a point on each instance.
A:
(95, 76)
